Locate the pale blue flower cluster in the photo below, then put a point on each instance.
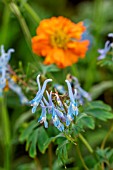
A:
(80, 95)
(5, 75)
(108, 45)
(62, 111)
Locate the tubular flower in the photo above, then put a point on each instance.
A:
(60, 41)
(108, 45)
(6, 79)
(62, 110)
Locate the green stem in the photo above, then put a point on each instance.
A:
(86, 143)
(74, 70)
(106, 137)
(6, 132)
(69, 138)
(4, 26)
(81, 158)
(32, 13)
(50, 156)
(14, 8)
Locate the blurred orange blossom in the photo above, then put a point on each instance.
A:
(59, 40)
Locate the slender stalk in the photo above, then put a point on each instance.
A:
(14, 8)
(106, 137)
(50, 156)
(86, 143)
(81, 158)
(69, 138)
(4, 25)
(6, 132)
(74, 70)
(32, 13)
(37, 162)
(104, 142)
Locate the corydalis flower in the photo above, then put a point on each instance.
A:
(60, 41)
(72, 109)
(6, 79)
(4, 59)
(54, 106)
(81, 93)
(35, 102)
(108, 45)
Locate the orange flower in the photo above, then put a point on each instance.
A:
(59, 41)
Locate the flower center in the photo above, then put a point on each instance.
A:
(59, 39)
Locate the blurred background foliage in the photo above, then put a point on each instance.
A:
(98, 18)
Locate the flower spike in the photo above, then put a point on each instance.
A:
(6, 75)
(35, 102)
(70, 91)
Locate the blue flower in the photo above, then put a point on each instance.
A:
(35, 102)
(72, 109)
(13, 86)
(5, 75)
(42, 118)
(4, 59)
(81, 93)
(60, 88)
(56, 114)
(108, 45)
(104, 51)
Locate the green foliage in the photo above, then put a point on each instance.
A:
(99, 110)
(62, 151)
(19, 20)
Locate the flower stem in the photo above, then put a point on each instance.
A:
(6, 132)
(86, 143)
(32, 13)
(14, 8)
(50, 156)
(81, 158)
(74, 70)
(106, 137)
(5, 26)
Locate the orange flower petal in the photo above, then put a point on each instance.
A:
(59, 41)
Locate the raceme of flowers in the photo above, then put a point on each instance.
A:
(60, 41)
(6, 79)
(107, 47)
(81, 93)
(62, 111)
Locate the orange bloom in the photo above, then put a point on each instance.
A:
(59, 41)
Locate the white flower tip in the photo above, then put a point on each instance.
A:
(75, 92)
(50, 80)
(110, 35)
(38, 76)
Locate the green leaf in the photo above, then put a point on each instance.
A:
(62, 151)
(85, 120)
(32, 150)
(42, 139)
(50, 68)
(99, 110)
(27, 131)
(88, 121)
(24, 117)
(98, 89)
(52, 139)
(98, 105)
(100, 114)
